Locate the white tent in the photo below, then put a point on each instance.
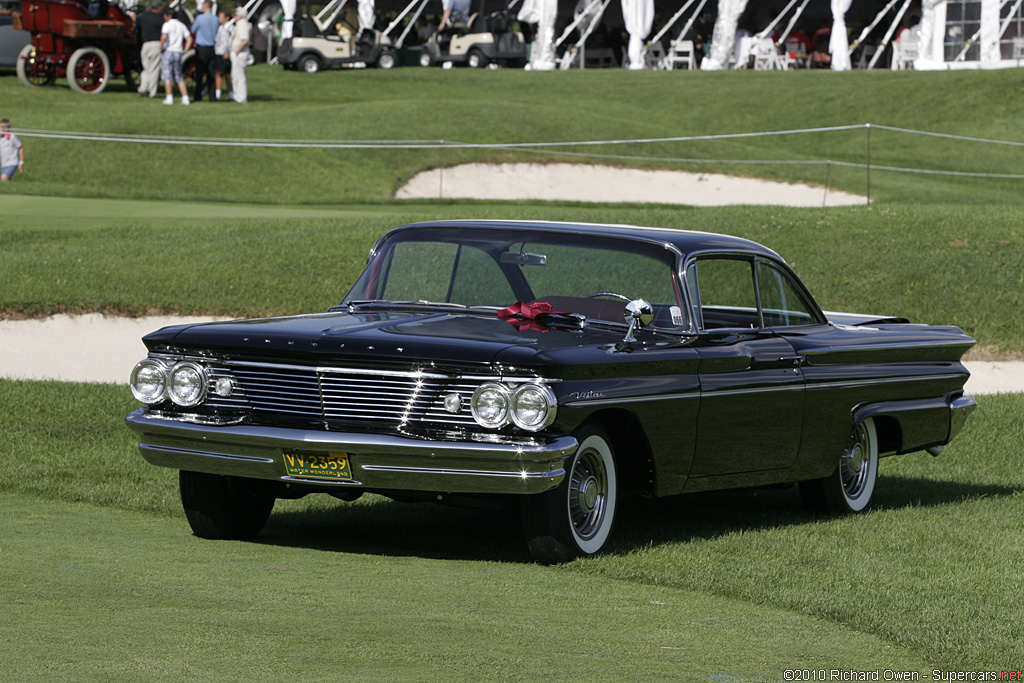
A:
(367, 14)
(288, 25)
(839, 44)
(543, 13)
(955, 36)
(638, 16)
(724, 35)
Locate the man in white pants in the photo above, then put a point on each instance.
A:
(239, 50)
(147, 34)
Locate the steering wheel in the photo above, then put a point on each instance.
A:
(611, 294)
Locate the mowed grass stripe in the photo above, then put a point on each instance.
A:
(100, 593)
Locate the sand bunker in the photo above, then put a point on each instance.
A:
(582, 183)
(96, 348)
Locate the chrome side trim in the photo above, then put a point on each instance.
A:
(632, 399)
(883, 380)
(887, 345)
(757, 390)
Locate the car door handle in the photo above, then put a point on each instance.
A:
(778, 362)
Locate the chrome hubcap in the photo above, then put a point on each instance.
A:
(855, 464)
(588, 490)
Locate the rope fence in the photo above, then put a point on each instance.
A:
(564, 148)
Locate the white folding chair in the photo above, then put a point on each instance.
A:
(680, 53)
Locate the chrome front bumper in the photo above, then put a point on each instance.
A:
(377, 461)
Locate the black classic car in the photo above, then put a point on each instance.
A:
(550, 366)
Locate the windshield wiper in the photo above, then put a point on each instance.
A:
(405, 305)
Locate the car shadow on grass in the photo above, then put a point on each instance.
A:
(379, 526)
(375, 525)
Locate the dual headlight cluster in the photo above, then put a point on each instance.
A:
(528, 406)
(184, 383)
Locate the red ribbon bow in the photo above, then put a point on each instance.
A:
(526, 316)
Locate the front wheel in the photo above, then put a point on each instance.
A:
(575, 519)
(850, 486)
(386, 60)
(88, 70)
(33, 70)
(224, 508)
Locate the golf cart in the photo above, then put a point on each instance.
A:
(483, 40)
(319, 42)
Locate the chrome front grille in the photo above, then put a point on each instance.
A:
(347, 394)
(283, 391)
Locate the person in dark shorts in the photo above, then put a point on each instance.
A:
(221, 65)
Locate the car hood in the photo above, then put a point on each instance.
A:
(446, 337)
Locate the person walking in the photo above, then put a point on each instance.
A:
(205, 29)
(175, 40)
(221, 53)
(12, 153)
(239, 49)
(147, 34)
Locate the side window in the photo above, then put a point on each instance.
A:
(727, 297)
(781, 303)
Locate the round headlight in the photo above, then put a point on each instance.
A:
(533, 407)
(148, 381)
(186, 384)
(490, 405)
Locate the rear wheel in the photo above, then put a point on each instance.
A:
(88, 70)
(32, 70)
(850, 486)
(476, 59)
(425, 58)
(575, 519)
(222, 507)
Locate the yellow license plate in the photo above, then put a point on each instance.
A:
(317, 464)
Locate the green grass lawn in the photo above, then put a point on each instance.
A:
(931, 263)
(102, 578)
(494, 107)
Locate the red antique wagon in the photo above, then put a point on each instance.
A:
(87, 42)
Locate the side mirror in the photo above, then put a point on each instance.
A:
(639, 313)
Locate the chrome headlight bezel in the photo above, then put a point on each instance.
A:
(490, 395)
(200, 384)
(545, 403)
(149, 365)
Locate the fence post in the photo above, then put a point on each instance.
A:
(868, 126)
(828, 177)
(440, 175)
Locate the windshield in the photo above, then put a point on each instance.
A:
(590, 275)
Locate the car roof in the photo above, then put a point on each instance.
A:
(685, 241)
